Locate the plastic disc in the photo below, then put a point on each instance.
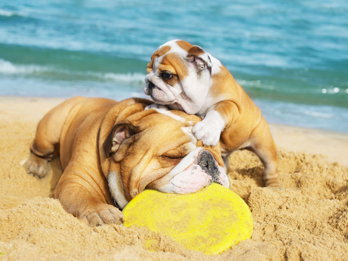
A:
(210, 220)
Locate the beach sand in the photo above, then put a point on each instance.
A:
(307, 219)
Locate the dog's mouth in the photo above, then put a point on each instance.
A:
(157, 95)
(154, 91)
(151, 87)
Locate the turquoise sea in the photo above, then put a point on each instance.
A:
(290, 56)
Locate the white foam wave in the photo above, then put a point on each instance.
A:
(255, 84)
(126, 78)
(312, 116)
(318, 114)
(9, 13)
(9, 68)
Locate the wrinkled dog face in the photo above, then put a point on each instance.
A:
(179, 75)
(160, 152)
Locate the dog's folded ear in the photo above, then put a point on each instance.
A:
(201, 59)
(118, 134)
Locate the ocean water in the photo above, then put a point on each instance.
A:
(291, 57)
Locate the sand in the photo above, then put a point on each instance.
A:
(307, 219)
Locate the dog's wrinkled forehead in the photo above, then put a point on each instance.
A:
(164, 110)
(178, 47)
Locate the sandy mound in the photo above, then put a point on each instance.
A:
(306, 219)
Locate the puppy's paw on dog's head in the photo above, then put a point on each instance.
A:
(103, 214)
(206, 133)
(36, 166)
(209, 129)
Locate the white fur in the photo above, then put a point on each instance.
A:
(210, 101)
(216, 65)
(209, 129)
(164, 110)
(116, 189)
(188, 131)
(196, 89)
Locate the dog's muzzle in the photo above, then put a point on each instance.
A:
(149, 87)
(208, 164)
(196, 171)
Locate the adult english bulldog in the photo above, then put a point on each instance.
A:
(111, 151)
(185, 77)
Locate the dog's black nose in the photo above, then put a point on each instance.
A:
(208, 164)
(150, 85)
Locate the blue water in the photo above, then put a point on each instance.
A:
(291, 56)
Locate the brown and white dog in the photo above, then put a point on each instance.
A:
(183, 76)
(111, 151)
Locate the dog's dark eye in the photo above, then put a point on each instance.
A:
(167, 76)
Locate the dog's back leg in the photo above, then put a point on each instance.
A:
(263, 146)
(46, 143)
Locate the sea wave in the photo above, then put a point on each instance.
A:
(311, 116)
(9, 68)
(255, 84)
(9, 13)
(125, 78)
(318, 114)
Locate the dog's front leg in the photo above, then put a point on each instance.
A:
(214, 122)
(209, 129)
(83, 192)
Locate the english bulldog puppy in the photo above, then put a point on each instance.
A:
(111, 151)
(185, 77)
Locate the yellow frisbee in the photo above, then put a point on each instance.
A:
(210, 220)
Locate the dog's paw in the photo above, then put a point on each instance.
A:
(37, 166)
(209, 129)
(207, 132)
(103, 214)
